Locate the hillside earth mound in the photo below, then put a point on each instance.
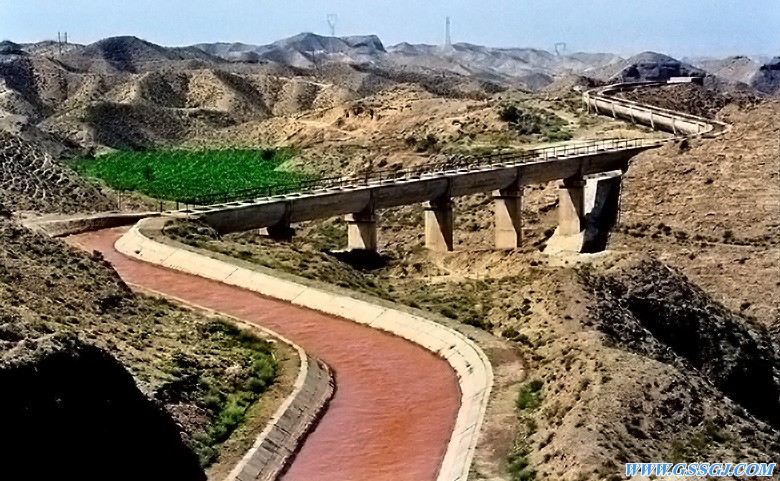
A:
(653, 309)
(738, 69)
(31, 179)
(691, 98)
(655, 67)
(10, 48)
(72, 330)
(89, 410)
(305, 50)
(127, 93)
(131, 54)
(709, 207)
(767, 79)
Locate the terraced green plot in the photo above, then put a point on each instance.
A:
(183, 174)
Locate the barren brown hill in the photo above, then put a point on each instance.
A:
(712, 208)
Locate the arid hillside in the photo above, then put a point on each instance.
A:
(712, 208)
(653, 350)
(95, 365)
(32, 180)
(640, 353)
(124, 92)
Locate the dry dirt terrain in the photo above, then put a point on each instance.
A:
(666, 347)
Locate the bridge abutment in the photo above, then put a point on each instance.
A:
(438, 225)
(507, 205)
(588, 210)
(362, 231)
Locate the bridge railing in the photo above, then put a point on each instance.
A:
(457, 163)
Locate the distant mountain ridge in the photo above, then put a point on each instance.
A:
(308, 50)
(534, 68)
(529, 67)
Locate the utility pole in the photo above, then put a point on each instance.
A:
(332, 20)
(448, 38)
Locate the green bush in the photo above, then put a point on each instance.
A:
(532, 121)
(228, 401)
(530, 396)
(526, 122)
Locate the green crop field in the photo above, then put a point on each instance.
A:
(183, 174)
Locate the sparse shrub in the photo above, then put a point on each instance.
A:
(519, 466)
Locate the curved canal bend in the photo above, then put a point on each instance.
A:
(395, 403)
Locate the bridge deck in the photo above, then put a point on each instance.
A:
(370, 194)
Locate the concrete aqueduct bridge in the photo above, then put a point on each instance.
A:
(602, 101)
(503, 175)
(589, 174)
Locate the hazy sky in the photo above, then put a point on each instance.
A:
(677, 27)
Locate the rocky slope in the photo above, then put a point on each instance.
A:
(124, 92)
(767, 79)
(96, 368)
(654, 67)
(92, 416)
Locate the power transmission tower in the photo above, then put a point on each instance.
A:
(448, 39)
(60, 41)
(332, 20)
(563, 49)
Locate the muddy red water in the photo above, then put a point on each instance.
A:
(395, 403)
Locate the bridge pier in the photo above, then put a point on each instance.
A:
(571, 205)
(507, 205)
(438, 225)
(587, 212)
(362, 228)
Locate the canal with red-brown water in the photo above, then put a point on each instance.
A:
(395, 403)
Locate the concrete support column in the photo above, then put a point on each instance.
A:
(362, 231)
(571, 206)
(438, 225)
(507, 205)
